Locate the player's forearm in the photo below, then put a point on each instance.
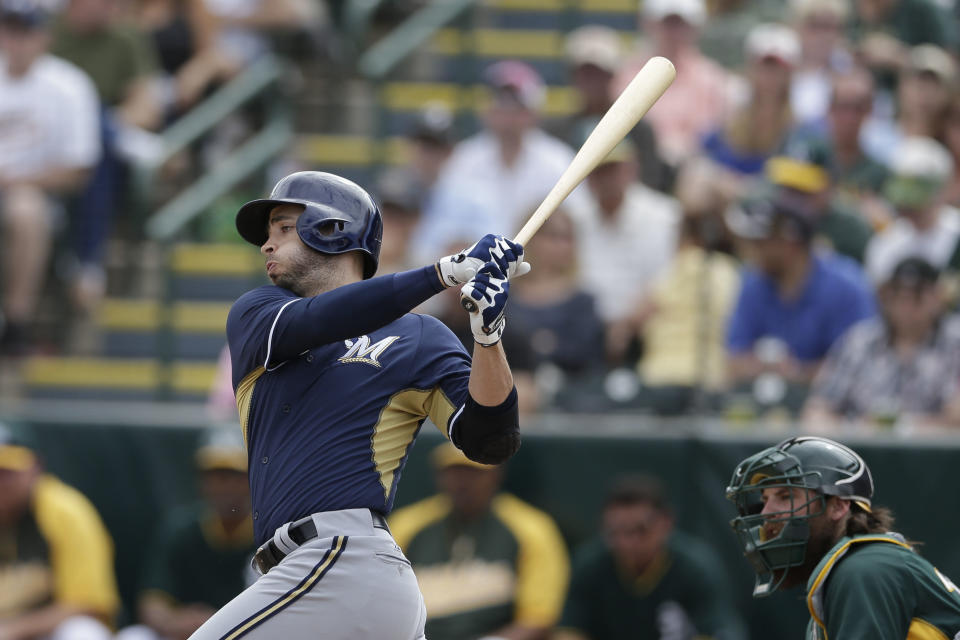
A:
(351, 310)
(490, 378)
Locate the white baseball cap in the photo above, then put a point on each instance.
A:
(772, 40)
(596, 45)
(920, 157)
(692, 11)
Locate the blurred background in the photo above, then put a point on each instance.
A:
(774, 249)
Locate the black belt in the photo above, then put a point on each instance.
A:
(269, 555)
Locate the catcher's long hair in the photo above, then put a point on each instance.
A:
(878, 520)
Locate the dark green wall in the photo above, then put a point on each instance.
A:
(136, 474)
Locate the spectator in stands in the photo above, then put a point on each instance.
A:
(951, 138)
(221, 401)
(56, 565)
(201, 559)
(883, 29)
(801, 175)
(756, 129)
(902, 367)
(183, 36)
(924, 227)
(242, 29)
(122, 65)
(856, 174)
(593, 54)
(627, 235)
(916, 106)
(819, 25)
(794, 302)
(684, 318)
(488, 564)
(499, 175)
(923, 92)
(431, 142)
(48, 143)
(400, 196)
(644, 579)
(550, 310)
(698, 99)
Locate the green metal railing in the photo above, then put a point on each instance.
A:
(164, 223)
(169, 219)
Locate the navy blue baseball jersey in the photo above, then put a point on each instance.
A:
(329, 424)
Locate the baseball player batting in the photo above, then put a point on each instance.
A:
(333, 377)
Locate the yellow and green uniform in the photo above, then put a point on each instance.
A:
(198, 561)
(58, 552)
(509, 566)
(877, 587)
(681, 590)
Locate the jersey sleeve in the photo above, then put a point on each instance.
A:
(81, 549)
(444, 368)
(250, 326)
(868, 596)
(270, 325)
(543, 566)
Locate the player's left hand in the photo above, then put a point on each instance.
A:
(485, 297)
(460, 268)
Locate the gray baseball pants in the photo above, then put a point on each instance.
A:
(351, 582)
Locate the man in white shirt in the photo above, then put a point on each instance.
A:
(626, 235)
(49, 139)
(496, 178)
(924, 228)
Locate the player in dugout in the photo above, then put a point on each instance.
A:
(806, 516)
(56, 557)
(510, 554)
(334, 377)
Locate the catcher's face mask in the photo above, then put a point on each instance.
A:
(775, 501)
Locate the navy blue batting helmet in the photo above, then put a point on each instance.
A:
(338, 216)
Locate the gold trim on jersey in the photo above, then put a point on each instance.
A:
(543, 566)
(218, 537)
(923, 630)
(825, 571)
(245, 395)
(339, 544)
(397, 426)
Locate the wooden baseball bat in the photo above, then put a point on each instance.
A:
(635, 100)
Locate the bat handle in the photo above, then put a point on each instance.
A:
(469, 305)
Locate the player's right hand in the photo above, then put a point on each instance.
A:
(460, 268)
(485, 298)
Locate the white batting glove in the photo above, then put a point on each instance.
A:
(460, 268)
(485, 297)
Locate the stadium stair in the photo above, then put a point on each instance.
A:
(339, 123)
(136, 355)
(529, 30)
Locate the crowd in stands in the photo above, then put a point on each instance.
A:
(743, 237)
(84, 86)
(725, 254)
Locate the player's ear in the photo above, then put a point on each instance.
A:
(837, 508)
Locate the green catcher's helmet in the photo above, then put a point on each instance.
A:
(827, 467)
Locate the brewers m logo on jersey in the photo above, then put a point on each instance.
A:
(360, 350)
